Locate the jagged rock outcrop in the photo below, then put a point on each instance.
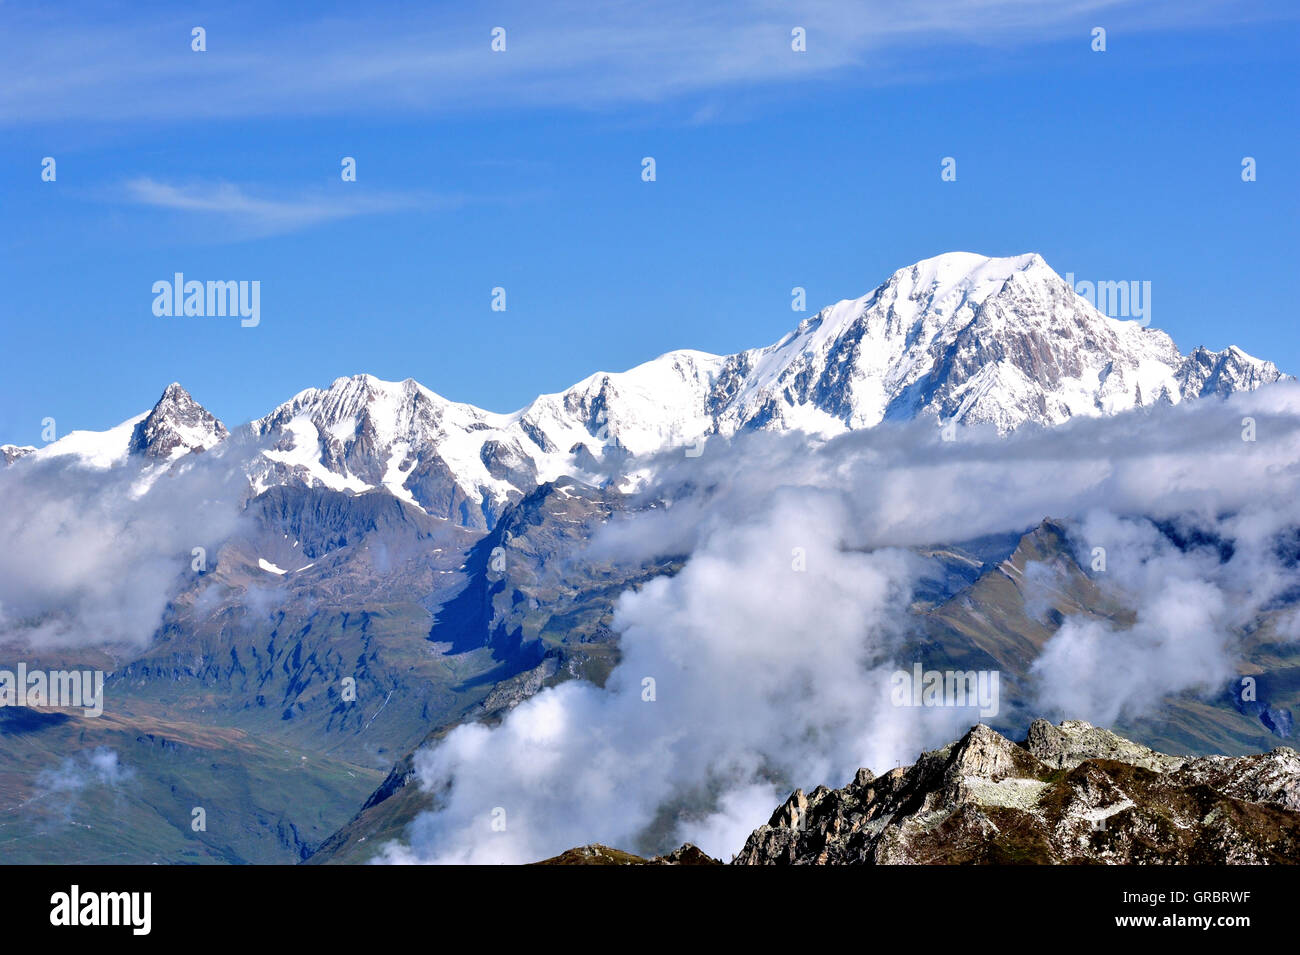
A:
(596, 854)
(176, 425)
(1071, 793)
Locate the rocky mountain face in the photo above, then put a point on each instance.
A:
(1003, 342)
(1066, 794)
(1204, 373)
(960, 338)
(1003, 617)
(1071, 793)
(176, 426)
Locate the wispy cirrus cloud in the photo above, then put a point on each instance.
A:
(72, 64)
(250, 214)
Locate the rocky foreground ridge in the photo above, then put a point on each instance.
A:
(1072, 793)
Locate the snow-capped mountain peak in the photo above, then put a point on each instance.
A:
(968, 338)
(852, 364)
(363, 432)
(958, 337)
(1204, 372)
(177, 425)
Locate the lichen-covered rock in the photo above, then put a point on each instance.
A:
(1068, 793)
(1073, 741)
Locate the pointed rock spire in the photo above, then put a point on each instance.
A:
(176, 425)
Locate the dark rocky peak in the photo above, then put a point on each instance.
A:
(176, 425)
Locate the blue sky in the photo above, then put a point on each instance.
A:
(522, 170)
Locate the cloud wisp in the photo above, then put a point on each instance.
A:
(250, 215)
(67, 66)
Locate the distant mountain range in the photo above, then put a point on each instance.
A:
(374, 520)
(958, 338)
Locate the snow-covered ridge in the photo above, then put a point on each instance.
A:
(177, 425)
(958, 337)
(9, 453)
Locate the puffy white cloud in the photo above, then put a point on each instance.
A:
(86, 561)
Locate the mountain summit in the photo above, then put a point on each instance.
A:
(175, 426)
(964, 338)
(961, 337)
